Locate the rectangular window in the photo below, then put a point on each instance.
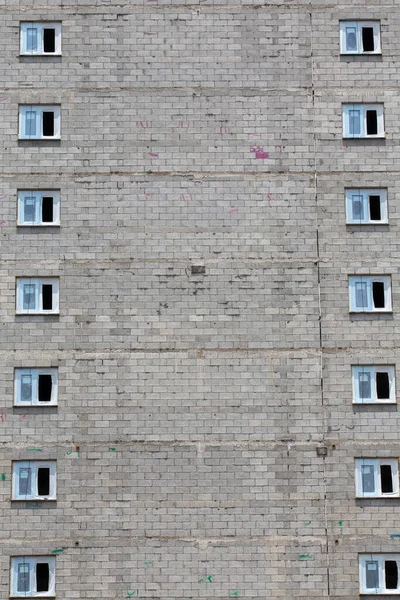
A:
(39, 122)
(33, 576)
(360, 37)
(37, 296)
(37, 208)
(34, 480)
(373, 384)
(377, 477)
(363, 121)
(35, 387)
(379, 573)
(40, 39)
(370, 293)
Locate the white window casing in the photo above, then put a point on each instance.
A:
(36, 387)
(34, 480)
(377, 477)
(360, 37)
(38, 208)
(40, 122)
(363, 121)
(373, 384)
(370, 293)
(37, 296)
(366, 206)
(40, 39)
(379, 574)
(30, 575)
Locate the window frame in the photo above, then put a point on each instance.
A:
(365, 193)
(373, 370)
(41, 26)
(34, 372)
(40, 109)
(376, 463)
(38, 195)
(369, 280)
(38, 282)
(363, 108)
(359, 25)
(32, 561)
(34, 465)
(363, 559)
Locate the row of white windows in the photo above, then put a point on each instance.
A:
(367, 293)
(42, 207)
(36, 480)
(372, 384)
(43, 122)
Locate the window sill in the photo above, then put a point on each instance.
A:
(364, 138)
(38, 139)
(44, 500)
(381, 403)
(371, 312)
(368, 224)
(37, 313)
(41, 225)
(35, 405)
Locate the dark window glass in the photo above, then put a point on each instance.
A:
(45, 385)
(42, 577)
(372, 122)
(382, 386)
(375, 208)
(47, 294)
(391, 574)
(49, 40)
(48, 124)
(43, 481)
(378, 294)
(367, 39)
(47, 209)
(386, 479)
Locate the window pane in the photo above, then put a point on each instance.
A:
(31, 39)
(361, 294)
(30, 122)
(45, 388)
(386, 479)
(354, 117)
(368, 479)
(26, 388)
(47, 209)
(357, 207)
(29, 296)
(372, 574)
(391, 575)
(47, 296)
(43, 481)
(29, 209)
(23, 578)
(378, 294)
(364, 386)
(375, 208)
(48, 124)
(49, 40)
(382, 386)
(25, 482)
(372, 122)
(42, 577)
(351, 39)
(368, 39)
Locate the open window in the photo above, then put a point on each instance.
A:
(370, 293)
(366, 207)
(37, 296)
(360, 37)
(38, 208)
(33, 576)
(379, 573)
(39, 122)
(363, 121)
(34, 480)
(36, 387)
(40, 39)
(373, 384)
(377, 478)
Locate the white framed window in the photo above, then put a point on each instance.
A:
(377, 477)
(33, 576)
(366, 207)
(34, 480)
(38, 208)
(37, 296)
(373, 384)
(379, 573)
(360, 37)
(370, 293)
(40, 122)
(363, 121)
(40, 39)
(36, 387)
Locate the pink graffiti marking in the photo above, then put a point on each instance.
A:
(278, 148)
(3, 197)
(343, 147)
(23, 417)
(187, 196)
(153, 154)
(142, 124)
(255, 134)
(223, 130)
(4, 99)
(233, 210)
(185, 124)
(2, 223)
(259, 152)
(147, 196)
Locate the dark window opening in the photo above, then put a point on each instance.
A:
(47, 295)
(391, 574)
(386, 479)
(43, 481)
(372, 122)
(378, 294)
(368, 39)
(42, 577)
(48, 124)
(47, 210)
(49, 40)
(375, 208)
(45, 385)
(382, 386)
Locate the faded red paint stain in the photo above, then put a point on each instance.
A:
(153, 154)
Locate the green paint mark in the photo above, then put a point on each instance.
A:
(57, 550)
(3, 476)
(34, 450)
(113, 450)
(308, 522)
(148, 563)
(207, 579)
(234, 593)
(131, 593)
(340, 523)
(304, 556)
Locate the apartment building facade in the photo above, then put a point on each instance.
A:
(199, 299)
